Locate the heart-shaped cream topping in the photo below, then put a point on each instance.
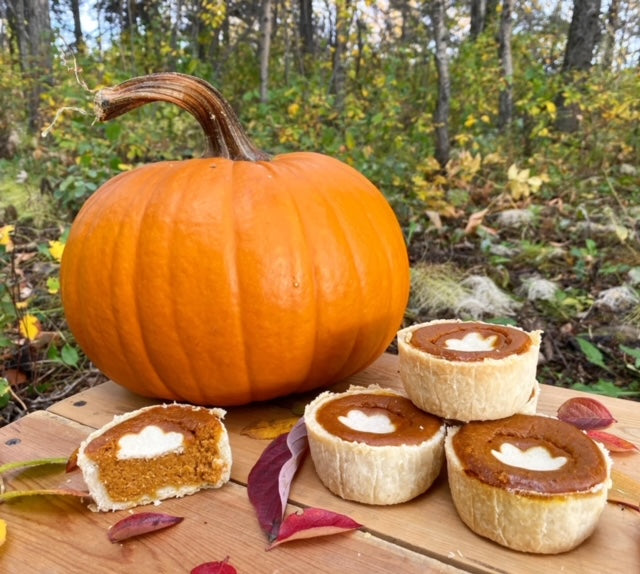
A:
(534, 458)
(357, 420)
(472, 341)
(150, 442)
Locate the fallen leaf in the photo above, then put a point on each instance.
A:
(16, 377)
(313, 522)
(270, 478)
(3, 531)
(56, 248)
(141, 523)
(624, 489)
(268, 430)
(220, 567)
(585, 413)
(475, 221)
(9, 466)
(612, 442)
(5, 237)
(30, 326)
(72, 461)
(13, 494)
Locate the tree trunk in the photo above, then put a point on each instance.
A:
(305, 26)
(32, 25)
(506, 94)
(441, 116)
(584, 35)
(478, 16)
(611, 28)
(77, 27)
(339, 77)
(266, 25)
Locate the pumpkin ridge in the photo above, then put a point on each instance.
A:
(174, 252)
(157, 382)
(317, 190)
(353, 247)
(313, 280)
(387, 257)
(235, 278)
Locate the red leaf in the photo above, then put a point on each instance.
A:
(313, 522)
(270, 478)
(141, 523)
(220, 567)
(72, 461)
(585, 413)
(612, 442)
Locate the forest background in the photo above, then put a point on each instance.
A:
(504, 134)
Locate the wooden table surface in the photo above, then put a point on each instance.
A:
(56, 534)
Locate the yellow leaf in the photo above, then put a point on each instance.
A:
(293, 109)
(22, 304)
(535, 182)
(492, 158)
(5, 236)
(551, 108)
(485, 118)
(56, 248)
(470, 122)
(268, 430)
(30, 326)
(53, 285)
(3, 531)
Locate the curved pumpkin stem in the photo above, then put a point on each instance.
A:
(225, 135)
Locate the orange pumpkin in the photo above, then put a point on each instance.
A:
(231, 279)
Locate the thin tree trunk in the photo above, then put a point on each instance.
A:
(339, 77)
(441, 116)
(266, 25)
(77, 27)
(506, 59)
(478, 18)
(32, 24)
(305, 26)
(584, 35)
(611, 28)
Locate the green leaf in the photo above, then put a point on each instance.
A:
(9, 466)
(592, 353)
(635, 353)
(5, 392)
(69, 355)
(606, 388)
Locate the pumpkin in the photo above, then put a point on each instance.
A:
(232, 278)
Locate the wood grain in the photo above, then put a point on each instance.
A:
(427, 526)
(60, 535)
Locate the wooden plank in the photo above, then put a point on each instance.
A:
(60, 535)
(428, 524)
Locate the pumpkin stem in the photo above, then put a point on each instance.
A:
(224, 134)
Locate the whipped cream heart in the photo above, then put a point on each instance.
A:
(377, 423)
(472, 342)
(536, 458)
(150, 442)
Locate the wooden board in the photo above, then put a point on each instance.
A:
(427, 527)
(60, 535)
